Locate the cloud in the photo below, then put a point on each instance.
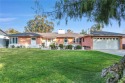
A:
(7, 19)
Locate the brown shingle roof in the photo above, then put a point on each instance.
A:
(48, 35)
(70, 35)
(54, 35)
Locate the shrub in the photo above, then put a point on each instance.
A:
(53, 46)
(122, 80)
(78, 47)
(18, 47)
(43, 44)
(69, 47)
(12, 46)
(61, 46)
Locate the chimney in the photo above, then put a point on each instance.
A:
(61, 31)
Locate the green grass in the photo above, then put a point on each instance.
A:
(42, 66)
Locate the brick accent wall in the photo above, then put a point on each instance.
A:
(27, 40)
(24, 40)
(87, 41)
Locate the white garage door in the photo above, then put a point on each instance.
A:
(106, 43)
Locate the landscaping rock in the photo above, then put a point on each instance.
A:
(114, 72)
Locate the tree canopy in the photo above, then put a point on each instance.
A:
(11, 31)
(39, 24)
(97, 27)
(69, 31)
(83, 32)
(100, 11)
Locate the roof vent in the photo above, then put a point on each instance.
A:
(61, 31)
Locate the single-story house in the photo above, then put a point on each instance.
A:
(38, 39)
(4, 40)
(103, 40)
(93, 40)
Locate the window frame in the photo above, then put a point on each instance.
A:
(13, 40)
(65, 40)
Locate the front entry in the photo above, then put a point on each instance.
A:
(48, 42)
(33, 41)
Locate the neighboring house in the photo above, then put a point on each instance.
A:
(38, 39)
(103, 40)
(4, 40)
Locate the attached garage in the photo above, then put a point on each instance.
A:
(106, 43)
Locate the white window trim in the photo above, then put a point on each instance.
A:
(13, 42)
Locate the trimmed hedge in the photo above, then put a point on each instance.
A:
(53, 46)
(69, 47)
(78, 47)
(61, 46)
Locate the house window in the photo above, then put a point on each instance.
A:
(33, 38)
(74, 40)
(66, 40)
(80, 40)
(77, 40)
(83, 39)
(16, 40)
(13, 40)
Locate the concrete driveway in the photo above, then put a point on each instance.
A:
(115, 52)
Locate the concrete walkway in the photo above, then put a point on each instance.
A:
(115, 52)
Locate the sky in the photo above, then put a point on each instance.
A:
(16, 13)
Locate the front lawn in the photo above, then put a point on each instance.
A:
(42, 66)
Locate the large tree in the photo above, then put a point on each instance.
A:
(39, 24)
(83, 32)
(101, 11)
(97, 27)
(11, 31)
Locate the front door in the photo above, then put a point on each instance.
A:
(48, 42)
(33, 41)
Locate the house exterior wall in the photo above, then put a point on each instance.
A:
(39, 40)
(88, 42)
(123, 43)
(70, 40)
(27, 40)
(24, 40)
(60, 40)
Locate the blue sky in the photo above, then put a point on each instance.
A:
(16, 13)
